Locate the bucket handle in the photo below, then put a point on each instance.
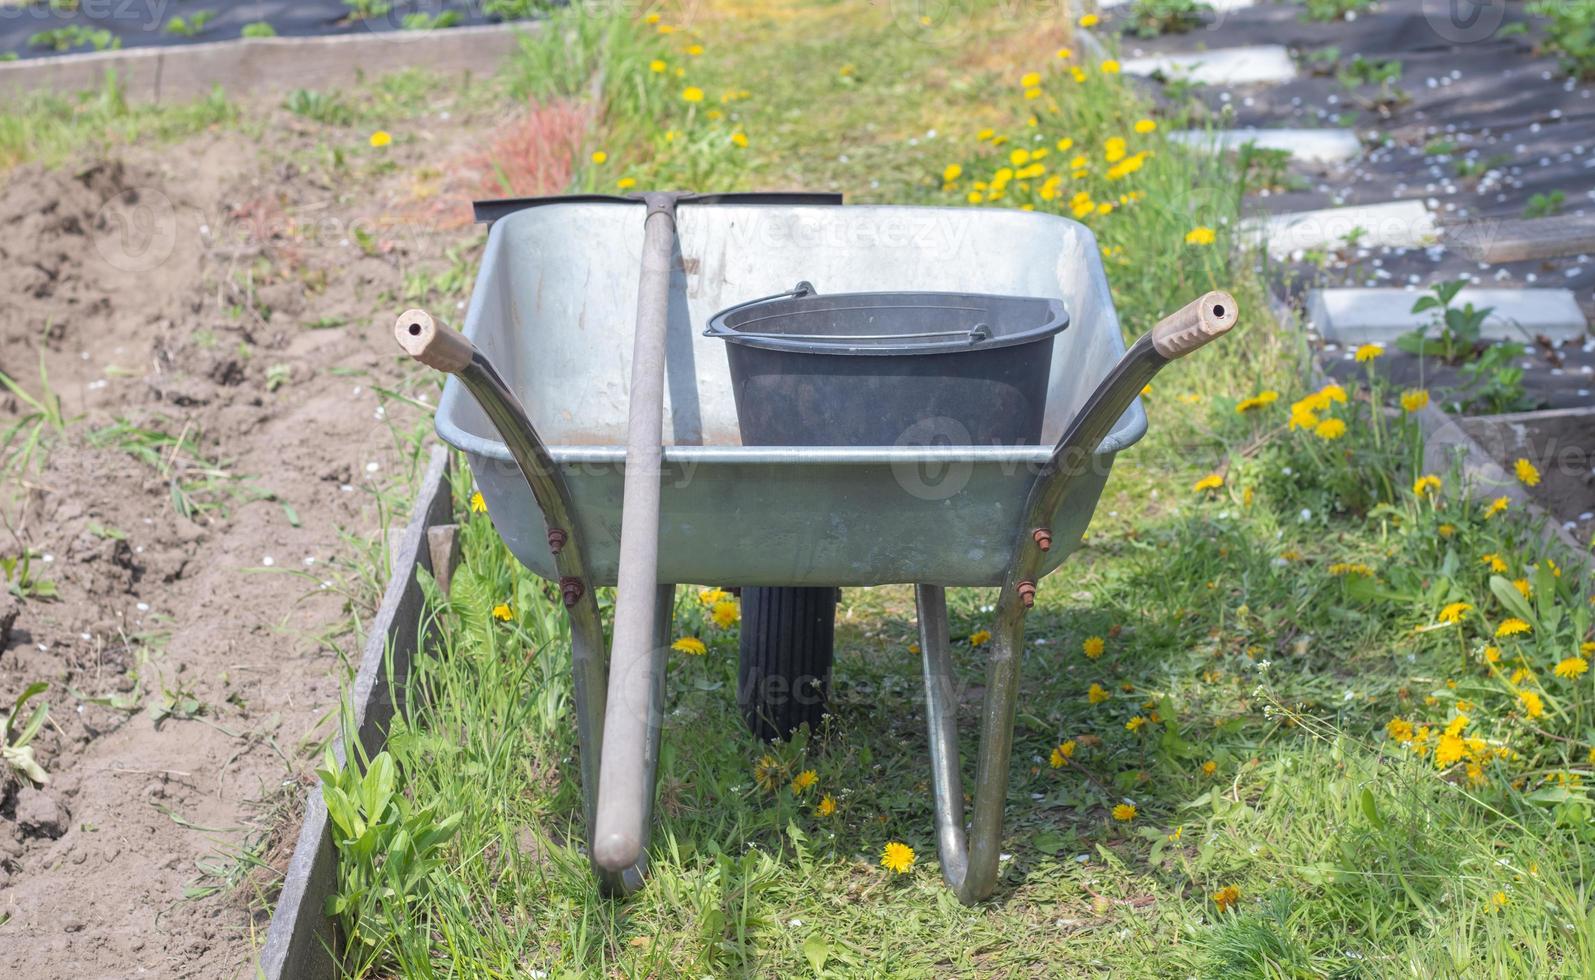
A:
(802, 289)
(975, 334)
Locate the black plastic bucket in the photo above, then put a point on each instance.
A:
(890, 369)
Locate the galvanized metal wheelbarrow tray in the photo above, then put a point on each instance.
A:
(545, 437)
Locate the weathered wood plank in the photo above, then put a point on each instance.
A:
(300, 939)
(1518, 241)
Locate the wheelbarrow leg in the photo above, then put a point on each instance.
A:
(970, 869)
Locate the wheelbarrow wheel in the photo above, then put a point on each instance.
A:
(784, 673)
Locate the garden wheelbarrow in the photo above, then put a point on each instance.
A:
(539, 403)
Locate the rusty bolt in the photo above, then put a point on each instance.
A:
(556, 539)
(1043, 537)
(570, 590)
(1027, 593)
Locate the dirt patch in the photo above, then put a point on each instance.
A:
(214, 318)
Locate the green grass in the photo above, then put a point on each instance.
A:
(48, 127)
(1263, 641)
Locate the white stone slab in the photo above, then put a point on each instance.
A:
(1221, 66)
(1398, 224)
(1360, 316)
(1306, 145)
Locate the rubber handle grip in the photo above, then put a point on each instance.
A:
(446, 350)
(1194, 325)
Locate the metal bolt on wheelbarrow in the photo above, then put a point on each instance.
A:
(586, 488)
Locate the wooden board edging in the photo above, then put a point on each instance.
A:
(300, 936)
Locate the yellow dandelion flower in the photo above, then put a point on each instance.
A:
(1114, 149)
(724, 613)
(695, 49)
(1097, 694)
(502, 611)
(952, 173)
(1226, 898)
(666, 29)
(690, 645)
(1426, 484)
(1260, 400)
(1448, 751)
(1368, 352)
(1497, 505)
(1512, 627)
(1341, 568)
(826, 806)
(1092, 646)
(1062, 753)
(1124, 812)
(1200, 235)
(657, 66)
(692, 93)
(600, 157)
(1211, 481)
(381, 138)
(1089, 20)
(1134, 724)
(478, 505)
(1330, 429)
(1492, 655)
(1454, 612)
(1414, 399)
(1030, 79)
(626, 183)
(979, 638)
(739, 140)
(804, 781)
(1494, 561)
(1531, 703)
(1522, 585)
(897, 857)
(1110, 67)
(1571, 668)
(1399, 729)
(1063, 53)
(1527, 473)
(1209, 767)
(1144, 126)
(1499, 900)
(709, 597)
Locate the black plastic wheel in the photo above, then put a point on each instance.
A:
(785, 670)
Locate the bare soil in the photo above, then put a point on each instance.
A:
(234, 295)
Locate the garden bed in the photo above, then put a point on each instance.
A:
(1560, 445)
(205, 435)
(40, 28)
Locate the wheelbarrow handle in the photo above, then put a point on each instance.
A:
(970, 863)
(443, 350)
(1182, 332)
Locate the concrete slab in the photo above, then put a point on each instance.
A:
(1360, 316)
(1222, 66)
(1305, 145)
(1398, 224)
